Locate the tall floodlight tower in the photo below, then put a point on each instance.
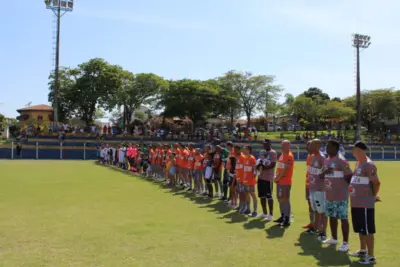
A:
(59, 8)
(363, 42)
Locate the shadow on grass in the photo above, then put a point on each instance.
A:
(234, 217)
(325, 255)
(275, 231)
(258, 223)
(219, 207)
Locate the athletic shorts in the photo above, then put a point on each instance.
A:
(265, 189)
(317, 200)
(363, 220)
(283, 192)
(217, 176)
(197, 175)
(184, 171)
(172, 170)
(249, 188)
(307, 193)
(337, 209)
(240, 187)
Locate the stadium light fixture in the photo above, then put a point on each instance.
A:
(59, 8)
(363, 42)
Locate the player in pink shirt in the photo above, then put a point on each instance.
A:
(337, 176)
(364, 188)
(317, 188)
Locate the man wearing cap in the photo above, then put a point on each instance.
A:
(363, 190)
(266, 178)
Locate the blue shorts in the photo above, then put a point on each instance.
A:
(172, 170)
(337, 209)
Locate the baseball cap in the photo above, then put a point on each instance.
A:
(360, 145)
(266, 140)
(263, 152)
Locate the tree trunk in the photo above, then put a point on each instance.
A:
(232, 118)
(248, 115)
(129, 113)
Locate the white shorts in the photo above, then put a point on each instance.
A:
(317, 200)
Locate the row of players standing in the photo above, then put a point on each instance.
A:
(329, 183)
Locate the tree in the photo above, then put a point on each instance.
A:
(99, 114)
(117, 118)
(93, 84)
(376, 106)
(139, 115)
(67, 81)
(2, 122)
(397, 99)
(314, 92)
(310, 110)
(227, 103)
(271, 102)
(337, 111)
(253, 91)
(137, 90)
(192, 98)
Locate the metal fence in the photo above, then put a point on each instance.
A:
(88, 151)
(56, 151)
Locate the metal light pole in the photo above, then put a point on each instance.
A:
(59, 8)
(359, 41)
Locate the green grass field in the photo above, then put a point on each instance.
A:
(75, 213)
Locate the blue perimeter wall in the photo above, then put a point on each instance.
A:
(79, 154)
(73, 148)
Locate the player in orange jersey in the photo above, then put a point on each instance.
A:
(250, 181)
(198, 171)
(283, 178)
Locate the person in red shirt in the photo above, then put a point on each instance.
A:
(184, 165)
(310, 225)
(283, 178)
(156, 160)
(167, 154)
(198, 171)
(239, 179)
(178, 164)
(190, 166)
(151, 161)
(249, 181)
(161, 162)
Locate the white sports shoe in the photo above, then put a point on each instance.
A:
(330, 241)
(344, 247)
(269, 217)
(262, 215)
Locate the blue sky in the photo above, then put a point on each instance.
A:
(303, 43)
